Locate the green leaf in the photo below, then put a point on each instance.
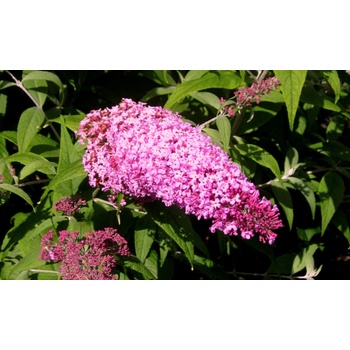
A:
(152, 263)
(291, 160)
(42, 228)
(336, 150)
(71, 121)
(292, 82)
(43, 75)
(305, 260)
(334, 81)
(214, 135)
(68, 155)
(308, 233)
(335, 127)
(28, 158)
(3, 104)
(45, 272)
(18, 192)
(38, 90)
(260, 156)
(43, 166)
(170, 221)
(73, 171)
(23, 223)
(195, 74)
(209, 268)
(135, 264)
(28, 262)
(340, 221)
(144, 234)
(215, 79)
(311, 96)
(41, 144)
(29, 124)
(3, 150)
(161, 77)
(207, 98)
(9, 136)
(224, 128)
(158, 91)
(261, 116)
(25, 158)
(83, 227)
(273, 96)
(331, 192)
(5, 84)
(284, 200)
(306, 191)
(282, 265)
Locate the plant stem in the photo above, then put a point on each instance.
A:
(43, 271)
(21, 86)
(262, 75)
(237, 120)
(208, 122)
(36, 182)
(235, 273)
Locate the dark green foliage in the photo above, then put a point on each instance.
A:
(293, 146)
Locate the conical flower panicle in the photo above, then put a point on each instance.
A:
(150, 153)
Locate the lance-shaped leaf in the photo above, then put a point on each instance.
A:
(29, 124)
(68, 155)
(18, 192)
(210, 80)
(172, 227)
(260, 156)
(340, 221)
(158, 91)
(284, 200)
(335, 127)
(311, 96)
(3, 104)
(207, 98)
(43, 166)
(73, 171)
(134, 264)
(305, 190)
(9, 136)
(331, 192)
(305, 260)
(178, 227)
(224, 128)
(30, 261)
(292, 82)
(290, 162)
(152, 263)
(334, 81)
(43, 75)
(145, 231)
(5, 84)
(38, 90)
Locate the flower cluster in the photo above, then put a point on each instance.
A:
(91, 258)
(150, 153)
(247, 96)
(228, 110)
(70, 205)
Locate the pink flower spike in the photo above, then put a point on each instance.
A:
(150, 153)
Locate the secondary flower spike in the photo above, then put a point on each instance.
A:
(150, 153)
(91, 258)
